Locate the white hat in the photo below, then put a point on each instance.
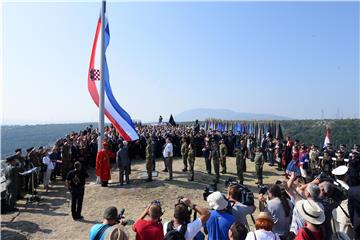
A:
(341, 170)
(310, 211)
(217, 201)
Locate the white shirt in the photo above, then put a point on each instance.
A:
(46, 160)
(262, 234)
(192, 229)
(168, 150)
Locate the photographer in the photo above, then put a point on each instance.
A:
(239, 210)
(148, 225)
(181, 227)
(280, 209)
(101, 230)
(221, 217)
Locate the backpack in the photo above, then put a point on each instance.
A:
(173, 234)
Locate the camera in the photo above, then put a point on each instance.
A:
(243, 195)
(262, 189)
(209, 190)
(121, 216)
(156, 202)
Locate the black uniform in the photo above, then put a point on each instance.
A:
(76, 179)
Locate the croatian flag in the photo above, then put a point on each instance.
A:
(120, 119)
(327, 137)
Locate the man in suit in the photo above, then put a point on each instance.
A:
(123, 163)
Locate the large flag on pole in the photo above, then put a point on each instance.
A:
(327, 137)
(120, 119)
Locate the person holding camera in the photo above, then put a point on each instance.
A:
(75, 181)
(239, 210)
(279, 208)
(148, 226)
(111, 219)
(181, 226)
(221, 217)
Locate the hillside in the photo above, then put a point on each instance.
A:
(203, 113)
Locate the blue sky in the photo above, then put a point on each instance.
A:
(284, 58)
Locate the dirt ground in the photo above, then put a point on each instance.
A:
(51, 220)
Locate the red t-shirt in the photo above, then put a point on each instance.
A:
(148, 230)
(302, 235)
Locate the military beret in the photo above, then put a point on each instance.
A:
(17, 150)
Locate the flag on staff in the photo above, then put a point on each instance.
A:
(120, 119)
(172, 121)
(327, 137)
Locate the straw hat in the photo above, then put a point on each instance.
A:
(264, 215)
(310, 211)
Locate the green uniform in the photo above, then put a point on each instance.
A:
(191, 160)
(184, 153)
(239, 164)
(223, 153)
(259, 161)
(216, 162)
(149, 159)
(20, 165)
(11, 175)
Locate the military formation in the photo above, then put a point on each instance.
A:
(187, 142)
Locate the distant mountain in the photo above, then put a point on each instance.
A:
(225, 114)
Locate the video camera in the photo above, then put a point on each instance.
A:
(121, 216)
(243, 195)
(209, 190)
(262, 189)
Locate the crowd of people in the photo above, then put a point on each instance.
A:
(318, 198)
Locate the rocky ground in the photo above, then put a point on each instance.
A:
(50, 218)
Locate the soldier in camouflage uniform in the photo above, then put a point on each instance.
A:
(20, 165)
(215, 155)
(191, 160)
(11, 176)
(239, 164)
(259, 162)
(149, 159)
(223, 153)
(184, 153)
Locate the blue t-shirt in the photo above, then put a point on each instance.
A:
(218, 225)
(95, 229)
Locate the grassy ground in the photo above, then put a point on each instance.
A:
(51, 220)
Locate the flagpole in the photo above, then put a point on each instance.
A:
(102, 70)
